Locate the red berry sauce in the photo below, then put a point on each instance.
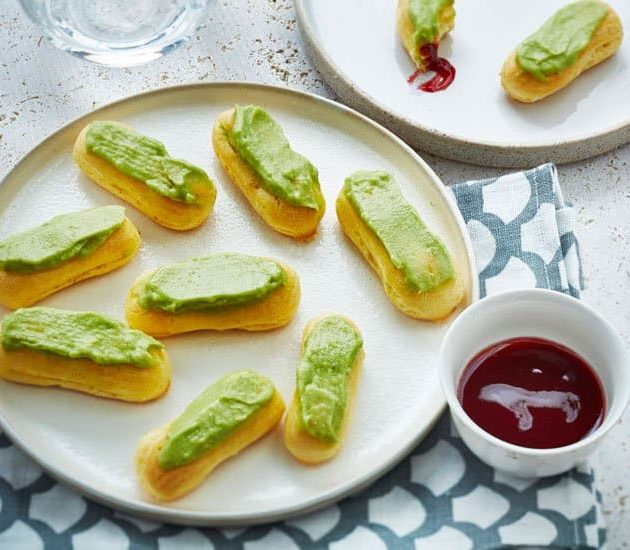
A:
(444, 71)
(533, 393)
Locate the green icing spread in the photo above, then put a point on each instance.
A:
(329, 353)
(60, 239)
(213, 416)
(77, 335)
(145, 159)
(562, 38)
(213, 282)
(425, 17)
(260, 141)
(412, 248)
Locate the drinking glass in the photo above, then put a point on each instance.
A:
(117, 33)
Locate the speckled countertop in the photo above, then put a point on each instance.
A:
(41, 89)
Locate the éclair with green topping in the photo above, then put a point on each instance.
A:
(60, 239)
(326, 384)
(561, 39)
(285, 174)
(577, 37)
(412, 248)
(213, 416)
(415, 267)
(143, 158)
(422, 23)
(138, 169)
(63, 251)
(232, 413)
(82, 351)
(425, 16)
(211, 283)
(223, 291)
(281, 185)
(329, 355)
(77, 335)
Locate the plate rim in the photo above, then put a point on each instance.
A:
(154, 511)
(447, 144)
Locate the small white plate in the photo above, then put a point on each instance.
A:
(90, 442)
(357, 49)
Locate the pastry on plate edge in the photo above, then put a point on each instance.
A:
(444, 289)
(532, 85)
(22, 288)
(30, 355)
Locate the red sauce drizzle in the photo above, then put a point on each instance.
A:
(444, 71)
(533, 393)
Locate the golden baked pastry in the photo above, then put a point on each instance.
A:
(138, 170)
(577, 37)
(218, 292)
(414, 265)
(288, 198)
(65, 250)
(229, 415)
(423, 22)
(82, 351)
(327, 380)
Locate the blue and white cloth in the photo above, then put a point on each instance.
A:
(440, 497)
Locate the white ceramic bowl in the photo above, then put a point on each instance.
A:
(544, 314)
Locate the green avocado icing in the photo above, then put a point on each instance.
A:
(562, 38)
(213, 416)
(329, 354)
(213, 282)
(77, 335)
(425, 17)
(261, 143)
(60, 239)
(145, 159)
(412, 248)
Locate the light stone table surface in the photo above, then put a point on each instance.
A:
(41, 89)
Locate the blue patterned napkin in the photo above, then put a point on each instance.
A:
(440, 497)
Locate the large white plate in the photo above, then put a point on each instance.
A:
(90, 442)
(357, 49)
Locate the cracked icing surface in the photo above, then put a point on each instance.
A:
(42, 88)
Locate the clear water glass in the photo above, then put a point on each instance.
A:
(117, 33)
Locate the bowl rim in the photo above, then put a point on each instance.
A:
(622, 391)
